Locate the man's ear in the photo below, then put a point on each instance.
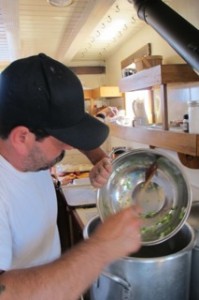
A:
(21, 138)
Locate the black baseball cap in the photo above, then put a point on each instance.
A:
(42, 93)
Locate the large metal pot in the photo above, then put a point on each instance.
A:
(193, 220)
(159, 272)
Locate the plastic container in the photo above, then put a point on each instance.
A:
(193, 112)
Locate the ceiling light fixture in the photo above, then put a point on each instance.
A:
(60, 3)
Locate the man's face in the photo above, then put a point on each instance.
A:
(44, 154)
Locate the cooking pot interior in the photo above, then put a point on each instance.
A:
(92, 225)
(175, 244)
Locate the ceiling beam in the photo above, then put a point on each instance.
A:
(88, 70)
(71, 41)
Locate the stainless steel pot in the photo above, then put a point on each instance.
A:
(193, 220)
(194, 287)
(158, 272)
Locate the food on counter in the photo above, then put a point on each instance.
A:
(67, 173)
(69, 177)
(66, 179)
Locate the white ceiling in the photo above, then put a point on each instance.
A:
(76, 35)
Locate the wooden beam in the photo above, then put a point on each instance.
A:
(88, 70)
(72, 39)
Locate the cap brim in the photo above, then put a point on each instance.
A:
(88, 134)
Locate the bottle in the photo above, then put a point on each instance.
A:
(185, 123)
(193, 112)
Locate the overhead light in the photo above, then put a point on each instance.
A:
(60, 3)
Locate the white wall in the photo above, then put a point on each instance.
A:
(93, 81)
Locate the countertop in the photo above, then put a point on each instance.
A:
(80, 193)
(86, 214)
(81, 197)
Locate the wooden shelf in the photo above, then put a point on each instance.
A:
(179, 142)
(158, 75)
(185, 144)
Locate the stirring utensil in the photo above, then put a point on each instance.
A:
(149, 174)
(149, 195)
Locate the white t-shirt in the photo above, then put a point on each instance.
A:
(28, 214)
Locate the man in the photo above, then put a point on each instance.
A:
(41, 116)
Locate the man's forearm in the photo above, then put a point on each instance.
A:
(95, 155)
(66, 278)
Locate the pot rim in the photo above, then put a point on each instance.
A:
(171, 256)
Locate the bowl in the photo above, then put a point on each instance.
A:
(157, 184)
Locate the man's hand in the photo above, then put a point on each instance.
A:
(100, 172)
(120, 234)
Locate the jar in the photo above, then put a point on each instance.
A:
(185, 123)
(193, 112)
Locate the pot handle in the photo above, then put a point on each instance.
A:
(125, 284)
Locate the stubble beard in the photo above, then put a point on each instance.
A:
(36, 161)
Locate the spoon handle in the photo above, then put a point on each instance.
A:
(149, 174)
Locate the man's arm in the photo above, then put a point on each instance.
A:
(101, 161)
(95, 155)
(102, 167)
(69, 276)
